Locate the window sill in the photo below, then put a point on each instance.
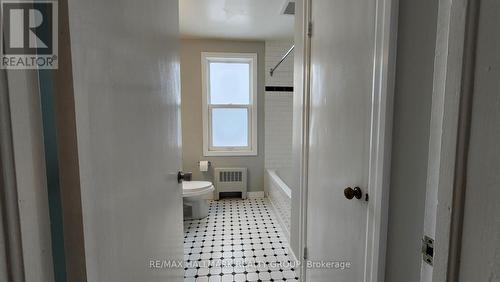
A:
(229, 153)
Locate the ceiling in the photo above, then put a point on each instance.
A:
(235, 19)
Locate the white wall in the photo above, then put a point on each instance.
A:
(278, 107)
(480, 258)
(275, 50)
(278, 130)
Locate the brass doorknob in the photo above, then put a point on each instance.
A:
(350, 193)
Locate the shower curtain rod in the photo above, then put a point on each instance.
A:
(271, 72)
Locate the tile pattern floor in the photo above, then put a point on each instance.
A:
(240, 240)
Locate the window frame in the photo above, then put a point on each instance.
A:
(207, 107)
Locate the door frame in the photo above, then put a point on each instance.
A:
(11, 249)
(454, 67)
(386, 23)
(24, 175)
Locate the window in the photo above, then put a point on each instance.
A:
(229, 104)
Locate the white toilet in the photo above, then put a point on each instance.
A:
(195, 194)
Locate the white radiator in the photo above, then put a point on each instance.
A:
(230, 180)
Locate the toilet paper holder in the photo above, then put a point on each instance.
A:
(204, 166)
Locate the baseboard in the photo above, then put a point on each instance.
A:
(250, 195)
(255, 195)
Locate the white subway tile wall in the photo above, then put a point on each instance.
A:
(278, 127)
(283, 76)
(278, 131)
(278, 107)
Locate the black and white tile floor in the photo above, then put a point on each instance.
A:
(240, 240)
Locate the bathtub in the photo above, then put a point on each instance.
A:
(280, 196)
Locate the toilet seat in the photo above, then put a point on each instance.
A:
(196, 188)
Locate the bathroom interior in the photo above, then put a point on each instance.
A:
(236, 70)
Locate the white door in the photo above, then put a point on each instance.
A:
(342, 46)
(125, 61)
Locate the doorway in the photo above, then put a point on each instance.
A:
(239, 65)
(127, 125)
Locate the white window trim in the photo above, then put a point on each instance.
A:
(209, 150)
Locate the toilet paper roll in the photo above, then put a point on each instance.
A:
(203, 165)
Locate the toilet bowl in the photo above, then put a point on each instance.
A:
(195, 194)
